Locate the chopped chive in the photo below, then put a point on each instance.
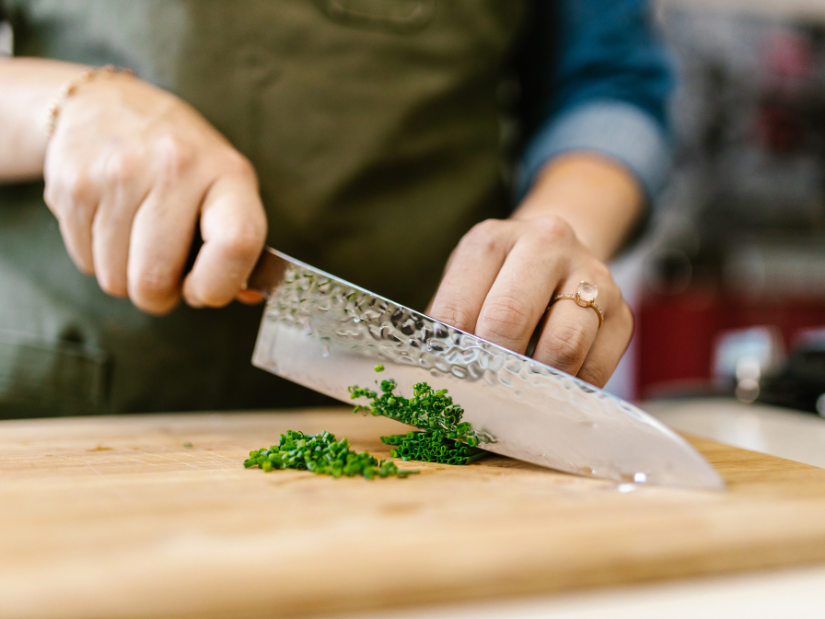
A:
(432, 447)
(321, 454)
(428, 410)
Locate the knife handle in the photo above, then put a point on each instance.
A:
(268, 272)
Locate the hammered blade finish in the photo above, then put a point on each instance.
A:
(328, 334)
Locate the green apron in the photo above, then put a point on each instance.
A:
(374, 127)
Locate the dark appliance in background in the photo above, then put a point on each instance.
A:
(801, 382)
(741, 239)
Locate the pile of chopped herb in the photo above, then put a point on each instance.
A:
(432, 447)
(432, 411)
(321, 454)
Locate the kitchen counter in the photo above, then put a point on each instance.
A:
(767, 429)
(115, 517)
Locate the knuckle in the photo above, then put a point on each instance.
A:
(595, 376)
(454, 315)
(215, 298)
(486, 234)
(244, 241)
(110, 284)
(175, 155)
(153, 286)
(504, 318)
(83, 262)
(625, 317)
(565, 347)
(553, 230)
(486, 228)
(78, 189)
(238, 164)
(84, 266)
(71, 197)
(50, 195)
(602, 273)
(158, 309)
(121, 169)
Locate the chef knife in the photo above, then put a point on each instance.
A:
(327, 334)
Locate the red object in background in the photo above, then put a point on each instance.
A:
(780, 129)
(788, 62)
(675, 335)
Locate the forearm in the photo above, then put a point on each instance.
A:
(27, 87)
(599, 198)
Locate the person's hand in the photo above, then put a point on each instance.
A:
(130, 172)
(503, 275)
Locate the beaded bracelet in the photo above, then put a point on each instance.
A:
(70, 87)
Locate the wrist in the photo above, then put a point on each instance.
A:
(598, 197)
(70, 88)
(28, 86)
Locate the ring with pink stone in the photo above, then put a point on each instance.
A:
(585, 296)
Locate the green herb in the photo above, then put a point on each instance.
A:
(187, 444)
(444, 434)
(322, 454)
(427, 410)
(432, 447)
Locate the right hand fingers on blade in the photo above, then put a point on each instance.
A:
(567, 336)
(470, 274)
(570, 329)
(609, 347)
(233, 227)
(523, 288)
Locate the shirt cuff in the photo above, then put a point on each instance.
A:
(616, 129)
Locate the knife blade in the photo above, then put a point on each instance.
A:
(327, 334)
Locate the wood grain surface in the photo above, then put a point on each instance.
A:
(113, 517)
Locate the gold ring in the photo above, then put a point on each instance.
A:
(585, 296)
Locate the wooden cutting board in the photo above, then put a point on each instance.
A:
(114, 517)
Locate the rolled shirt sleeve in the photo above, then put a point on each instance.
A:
(599, 81)
(616, 129)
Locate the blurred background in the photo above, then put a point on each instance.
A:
(729, 284)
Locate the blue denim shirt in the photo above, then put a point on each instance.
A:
(602, 86)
